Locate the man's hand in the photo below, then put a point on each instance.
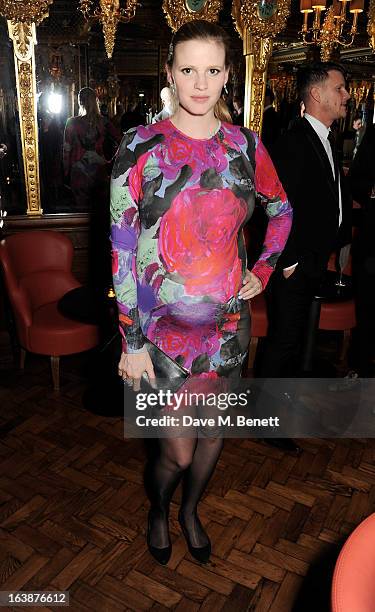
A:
(251, 286)
(289, 271)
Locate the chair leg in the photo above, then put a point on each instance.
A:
(22, 358)
(345, 345)
(55, 368)
(252, 352)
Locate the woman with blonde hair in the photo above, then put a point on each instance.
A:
(182, 190)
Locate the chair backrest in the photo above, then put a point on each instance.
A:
(34, 251)
(37, 267)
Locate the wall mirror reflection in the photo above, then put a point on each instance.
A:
(57, 72)
(79, 134)
(61, 71)
(13, 192)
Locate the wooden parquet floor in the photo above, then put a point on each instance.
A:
(73, 510)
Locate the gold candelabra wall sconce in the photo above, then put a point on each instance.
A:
(338, 28)
(371, 24)
(110, 14)
(359, 91)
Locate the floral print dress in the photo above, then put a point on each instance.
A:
(178, 206)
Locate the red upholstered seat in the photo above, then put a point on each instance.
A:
(50, 334)
(259, 320)
(37, 272)
(259, 324)
(353, 586)
(337, 315)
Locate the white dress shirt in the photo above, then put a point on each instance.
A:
(323, 132)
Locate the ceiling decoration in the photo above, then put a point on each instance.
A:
(148, 30)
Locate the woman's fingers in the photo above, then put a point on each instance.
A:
(150, 370)
(251, 287)
(131, 368)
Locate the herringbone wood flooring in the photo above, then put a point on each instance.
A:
(73, 510)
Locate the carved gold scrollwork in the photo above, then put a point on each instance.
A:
(25, 11)
(257, 54)
(177, 12)
(265, 22)
(261, 53)
(24, 36)
(22, 17)
(258, 22)
(371, 24)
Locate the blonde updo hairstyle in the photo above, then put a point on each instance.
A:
(200, 29)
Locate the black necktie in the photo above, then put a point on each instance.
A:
(332, 142)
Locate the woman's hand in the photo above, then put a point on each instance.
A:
(132, 366)
(251, 286)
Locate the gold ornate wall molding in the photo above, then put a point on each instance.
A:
(25, 11)
(177, 12)
(371, 24)
(258, 22)
(22, 17)
(24, 38)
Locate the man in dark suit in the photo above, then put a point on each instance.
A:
(362, 182)
(306, 165)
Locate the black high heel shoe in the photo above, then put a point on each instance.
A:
(200, 553)
(161, 555)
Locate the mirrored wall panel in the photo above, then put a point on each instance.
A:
(60, 73)
(12, 183)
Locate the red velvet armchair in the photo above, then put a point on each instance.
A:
(37, 273)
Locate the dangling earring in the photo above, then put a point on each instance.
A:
(226, 89)
(172, 87)
(174, 97)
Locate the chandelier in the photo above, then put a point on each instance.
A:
(337, 28)
(109, 13)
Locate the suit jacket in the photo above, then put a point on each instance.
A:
(270, 128)
(362, 181)
(305, 172)
(362, 169)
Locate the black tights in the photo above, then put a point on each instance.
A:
(193, 461)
